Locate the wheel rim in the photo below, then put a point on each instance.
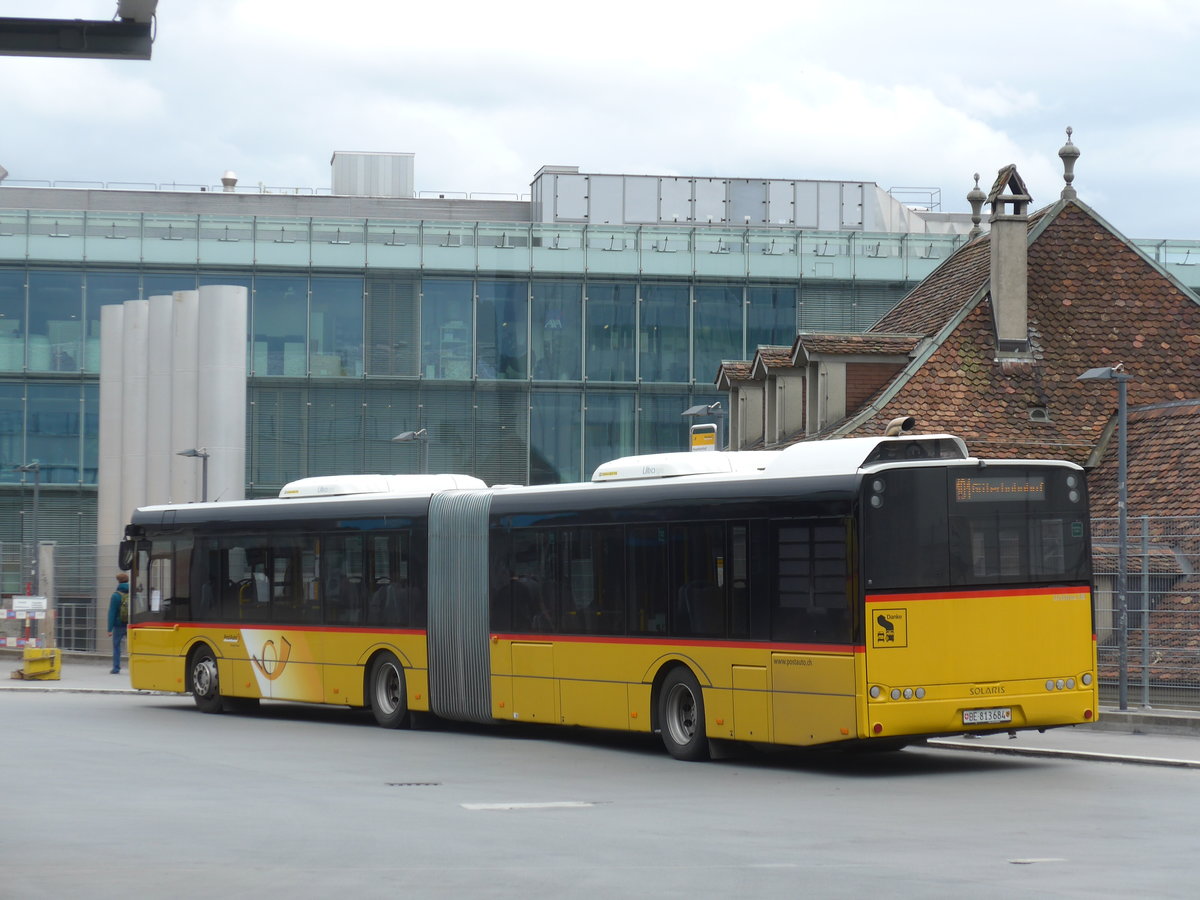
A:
(387, 689)
(681, 714)
(204, 677)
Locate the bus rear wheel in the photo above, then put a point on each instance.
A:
(681, 716)
(386, 691)
(206, 688)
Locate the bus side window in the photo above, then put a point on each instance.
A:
(533, 580)
(811, 596)
(699, 583)
(647, 582)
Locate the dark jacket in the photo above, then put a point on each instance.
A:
(114, 607)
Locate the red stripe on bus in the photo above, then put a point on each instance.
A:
(274, 626)
(676, 642)
(965, 595)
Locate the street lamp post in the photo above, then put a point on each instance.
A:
(202, 455)
(420, 436)
(709, 409)
(1114, 373)
(36, 468)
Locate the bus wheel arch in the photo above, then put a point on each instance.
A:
(385, 690)
(203, 679)
(678, 710)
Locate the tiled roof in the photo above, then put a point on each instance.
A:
(735, 370)
(1093, 301)
(775, 357)
(861, 344)
(1163, 461)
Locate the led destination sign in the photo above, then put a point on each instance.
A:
(993, 488)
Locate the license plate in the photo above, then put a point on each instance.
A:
(987, 716)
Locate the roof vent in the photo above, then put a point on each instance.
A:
(229, 180)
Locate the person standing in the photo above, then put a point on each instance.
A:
(118, 618)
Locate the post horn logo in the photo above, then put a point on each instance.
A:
(273, 661)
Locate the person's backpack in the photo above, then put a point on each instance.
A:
(124, 607)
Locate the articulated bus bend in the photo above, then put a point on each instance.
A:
(864, 591)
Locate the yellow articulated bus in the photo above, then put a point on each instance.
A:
(866, 591)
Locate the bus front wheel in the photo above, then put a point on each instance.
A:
(681, 716)
(386, 691)
(206, 689)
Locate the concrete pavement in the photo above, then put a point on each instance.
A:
(1164, 737)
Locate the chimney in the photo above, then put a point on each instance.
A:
(1010, 262)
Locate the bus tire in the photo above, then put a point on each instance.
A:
(386, 691)
(206, 687)
(681, 716)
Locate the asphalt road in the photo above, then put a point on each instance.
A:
(119, 795)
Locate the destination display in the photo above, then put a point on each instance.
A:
(992, 488)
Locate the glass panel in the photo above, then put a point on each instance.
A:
(275, 438)
(501, 434)
(113, 237)
(502, 326)
(103, 289)
(611, 314)
(281, 242)
(91, 433)
(612, 251)
(446, 329)
(160, 285)
(279, 311)
(718, 329)
(392, 408)
(335, 419)
(54, 431)
(450, 421)
(663, 329)
(343, 586)
(661, 426)
(12, 416)
(646, 557)
(392, 318)
(554, 425)
(771, 317)
(12, 320)
(556, 331)
(336, 327)
(55, 321)
(170, 239)
(610, 418)
(699, 579)
(592, 595)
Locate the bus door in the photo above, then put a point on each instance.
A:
(268, 593)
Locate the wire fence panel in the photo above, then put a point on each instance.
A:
(1162, 601)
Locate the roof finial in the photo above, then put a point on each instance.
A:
(976, 197)
(1068, 154)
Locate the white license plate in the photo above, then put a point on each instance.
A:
(987, 716)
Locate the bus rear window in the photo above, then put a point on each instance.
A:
(927, 527)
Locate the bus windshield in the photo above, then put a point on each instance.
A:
(936, 527)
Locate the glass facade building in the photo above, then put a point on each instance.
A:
(529, 351)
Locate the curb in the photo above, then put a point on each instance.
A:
(946, 744)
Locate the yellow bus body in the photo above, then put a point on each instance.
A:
(1019, 651)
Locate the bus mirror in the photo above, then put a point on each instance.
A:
(125, 555)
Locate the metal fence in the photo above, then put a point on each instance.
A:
(1162, 602)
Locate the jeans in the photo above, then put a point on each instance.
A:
(118, 636)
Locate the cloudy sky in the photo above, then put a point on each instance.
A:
(484, 93)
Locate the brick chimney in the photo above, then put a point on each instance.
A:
(1009, 223)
